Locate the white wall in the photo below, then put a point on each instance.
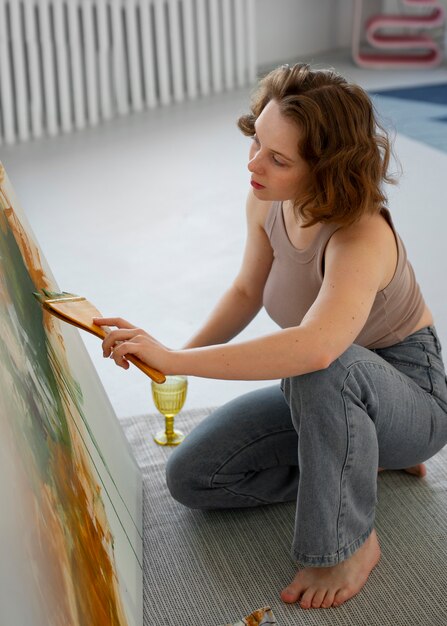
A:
(288, 29)
(392, 5)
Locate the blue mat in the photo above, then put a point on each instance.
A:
(433, 94)
(418, 112)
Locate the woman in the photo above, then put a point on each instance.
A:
(363, 383)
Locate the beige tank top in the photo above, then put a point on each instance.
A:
(296, 277)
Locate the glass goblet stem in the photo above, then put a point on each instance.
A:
(169, 427)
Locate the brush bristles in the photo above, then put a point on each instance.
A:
(44, 295)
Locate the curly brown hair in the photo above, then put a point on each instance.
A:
(347, 150)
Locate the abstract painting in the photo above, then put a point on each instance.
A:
(70, 490)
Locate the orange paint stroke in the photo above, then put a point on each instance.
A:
(75, 546)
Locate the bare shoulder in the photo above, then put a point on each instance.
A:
(371, 231)
(370, 244)
(257, 210)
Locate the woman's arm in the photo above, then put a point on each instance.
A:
(355, 265)
(243, 300)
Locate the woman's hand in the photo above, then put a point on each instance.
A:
(128, 339)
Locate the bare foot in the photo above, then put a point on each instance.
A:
(323, 587)
(417, 470)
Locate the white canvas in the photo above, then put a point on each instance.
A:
(70, 490)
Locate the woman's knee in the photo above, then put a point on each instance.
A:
(180, 478)
(306, 389)
(192, 466)
(319, 385)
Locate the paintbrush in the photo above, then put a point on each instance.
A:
(80, 312)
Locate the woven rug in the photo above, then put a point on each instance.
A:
(213, 568)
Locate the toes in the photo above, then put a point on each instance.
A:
(328, 599)
(291, 594)
(307, 598)
(341, 596)
(318, 598)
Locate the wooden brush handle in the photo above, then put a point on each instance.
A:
(156, 376)
(79, 312)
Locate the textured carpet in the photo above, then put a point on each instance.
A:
(212, 568)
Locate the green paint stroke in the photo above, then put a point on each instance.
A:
(33, 395)
(37, 389)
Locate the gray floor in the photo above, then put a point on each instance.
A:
(145, 217)
(223, 564)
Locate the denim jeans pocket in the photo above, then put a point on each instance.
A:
(439, 380)
(412, 360)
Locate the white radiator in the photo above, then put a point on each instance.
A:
(68, 64)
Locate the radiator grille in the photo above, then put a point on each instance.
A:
(68, 64)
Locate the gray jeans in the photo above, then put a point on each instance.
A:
(319, 440)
